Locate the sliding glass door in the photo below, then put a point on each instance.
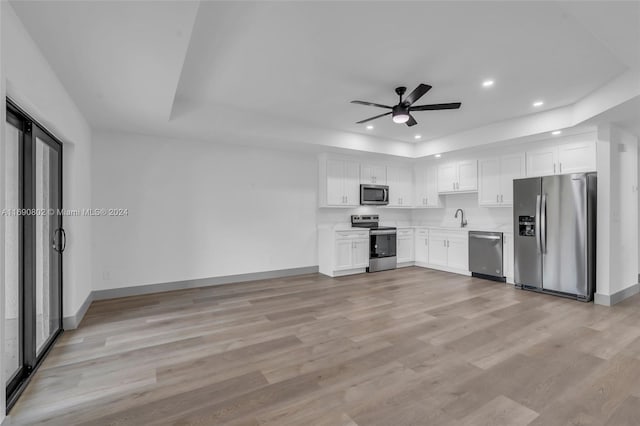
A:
(34, 244)
(13, 280)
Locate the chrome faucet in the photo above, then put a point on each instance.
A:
(463, 222)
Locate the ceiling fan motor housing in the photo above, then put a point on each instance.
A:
(400, 113)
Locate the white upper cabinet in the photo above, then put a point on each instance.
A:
(447, 177)
(577, 157)
(461, 176)
(468, 175)
(373, 174)
(511, 167)
(561, 159)
(400, 181)
(426, 187)
(339, 183)
(489, 184)
(542, 162)
(496, 175)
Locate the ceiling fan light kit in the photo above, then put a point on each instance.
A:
(401, 113)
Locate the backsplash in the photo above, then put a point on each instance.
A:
(388, 216)
(475, 215)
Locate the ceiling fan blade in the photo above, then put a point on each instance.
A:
(417, 93)
(452, 105)
(370, 104)
(373, 118)
(412, 121)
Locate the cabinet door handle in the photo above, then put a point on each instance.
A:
(497, 198)
(447, 243)
(501, 198)
(560, 167)
(554, 168)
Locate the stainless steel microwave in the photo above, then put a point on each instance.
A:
(374, 195)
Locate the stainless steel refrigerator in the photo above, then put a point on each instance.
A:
(555, 234)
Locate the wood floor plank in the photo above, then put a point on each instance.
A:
(406, 347)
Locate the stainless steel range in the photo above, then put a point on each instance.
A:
(382, 242)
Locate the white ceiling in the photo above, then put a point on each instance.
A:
(219, 69)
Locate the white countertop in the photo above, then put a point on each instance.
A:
(507, 228)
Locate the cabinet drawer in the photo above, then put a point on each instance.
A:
(351, 235)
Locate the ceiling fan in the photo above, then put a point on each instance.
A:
(401, 113)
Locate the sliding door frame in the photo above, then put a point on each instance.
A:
(18, 122)
(29, 359)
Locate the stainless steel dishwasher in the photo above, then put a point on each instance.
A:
(485, 255)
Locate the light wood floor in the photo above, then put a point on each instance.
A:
(404, 347)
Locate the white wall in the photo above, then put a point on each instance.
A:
(617, 247)
(199, 210)
(33, 84)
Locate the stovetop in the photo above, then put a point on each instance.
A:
(369, 221)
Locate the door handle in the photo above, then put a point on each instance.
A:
(543, 224)
(560, 167)
(63, 239)
(538, 248)
(501, 198)
(497, 198)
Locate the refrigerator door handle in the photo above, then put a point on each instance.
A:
(539, 249)
(543, 224)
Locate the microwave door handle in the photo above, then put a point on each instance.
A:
(385, 196)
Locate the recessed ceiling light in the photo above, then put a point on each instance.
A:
(538, 104)
(417, 137)
(487, 83)
(438, 155)
(369, 127)
(556, 132)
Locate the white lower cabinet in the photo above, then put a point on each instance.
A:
(437, 248)
(458, 251)
(421, 247)
(343, 252)
(508, 256)
(449, 249)
(404, 246)
(352, 251)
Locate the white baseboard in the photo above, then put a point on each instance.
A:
(612, 299)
